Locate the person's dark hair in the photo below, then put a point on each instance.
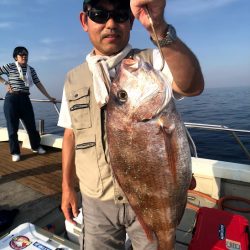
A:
(125, 4)
(19, 50)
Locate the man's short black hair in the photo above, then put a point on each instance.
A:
(19, 50)
(124, 4)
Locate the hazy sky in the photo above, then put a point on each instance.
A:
(218, 32)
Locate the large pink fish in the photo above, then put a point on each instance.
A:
(149, 150)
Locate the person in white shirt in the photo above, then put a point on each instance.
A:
(17, 104)
(107, 215)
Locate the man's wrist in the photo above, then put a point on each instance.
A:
(168, 37)
(160, 31)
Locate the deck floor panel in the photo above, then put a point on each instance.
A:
(39, 172)
(33, 185)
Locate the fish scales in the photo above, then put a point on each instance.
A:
(149, 151)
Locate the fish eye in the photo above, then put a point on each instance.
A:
(122, 95)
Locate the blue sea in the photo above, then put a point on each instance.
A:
(229, 107)
(218, 106)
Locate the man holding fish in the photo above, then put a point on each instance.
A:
(123, 136)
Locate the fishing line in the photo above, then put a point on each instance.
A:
(155, 35)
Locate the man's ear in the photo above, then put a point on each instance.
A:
(83, 20)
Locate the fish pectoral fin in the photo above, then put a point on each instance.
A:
(167, 130)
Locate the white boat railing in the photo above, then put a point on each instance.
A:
(232, 131)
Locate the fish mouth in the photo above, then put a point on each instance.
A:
(130, 64)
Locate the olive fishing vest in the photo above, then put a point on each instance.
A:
(89, 125)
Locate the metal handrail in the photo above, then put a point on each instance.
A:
(222, 128)
(39, 100)
(214, 127)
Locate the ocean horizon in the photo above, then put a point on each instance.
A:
(226, 106)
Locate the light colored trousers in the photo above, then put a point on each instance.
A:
(106, 225)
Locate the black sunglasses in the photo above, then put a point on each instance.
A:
(22, 54)
(102, 16)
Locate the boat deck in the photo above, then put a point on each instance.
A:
(33, 185)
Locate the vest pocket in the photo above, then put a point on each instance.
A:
(79, 101)
(87, 166)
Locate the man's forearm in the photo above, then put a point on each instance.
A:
(184, 66)
(68, 159)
